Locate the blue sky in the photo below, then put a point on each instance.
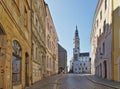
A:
(66, 15)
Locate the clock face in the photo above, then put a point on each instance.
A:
(75, 51)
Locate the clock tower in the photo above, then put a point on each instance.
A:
(76, 49)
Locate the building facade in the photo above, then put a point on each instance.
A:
(84, 63)
(23, 43)
(116, 39)
(101, 40)
(105, 40)
(15, 44)
(38, 40)
(62, 59)
(71, 66)
(51, 44)
(81, 61)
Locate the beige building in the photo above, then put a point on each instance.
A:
(51, 44)
(15, 44)
(23, 43)
(62, 59)
(38, 40)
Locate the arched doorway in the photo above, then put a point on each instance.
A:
(16, 63)
(105, 69)
(2, 55)
(100, 70)
(26, 69)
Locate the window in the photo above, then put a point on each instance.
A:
(75, 56)
(75, 69)
(103, 48)
(105, 4)
(99, 32)
(100, 51)
(33, 50)
(16, 62)
(25, 17)
(36, 22)
(101, 15)
(104, 26)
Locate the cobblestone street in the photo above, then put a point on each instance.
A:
(80, 82)
(74, 81)
(47, 83)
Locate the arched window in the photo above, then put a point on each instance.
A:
(16, 62)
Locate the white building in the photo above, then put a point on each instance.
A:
(101, 40)
(81, 61)
(85, 63)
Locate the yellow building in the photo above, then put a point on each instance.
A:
(15, 44)
(38, 40)
(116, 39)
(51, 44)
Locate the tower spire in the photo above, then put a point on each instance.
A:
(76, 45)
(76, 32)
(76, 27)
(76, 39)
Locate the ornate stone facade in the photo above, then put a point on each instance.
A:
(15, 44)
(23, 43)
(38, 40)
(51, 44)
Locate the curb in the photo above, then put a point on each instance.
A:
(100, 83)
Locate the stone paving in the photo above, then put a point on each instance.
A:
(72, 81)
(105, 82)
(47, 83)
(75, 81)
